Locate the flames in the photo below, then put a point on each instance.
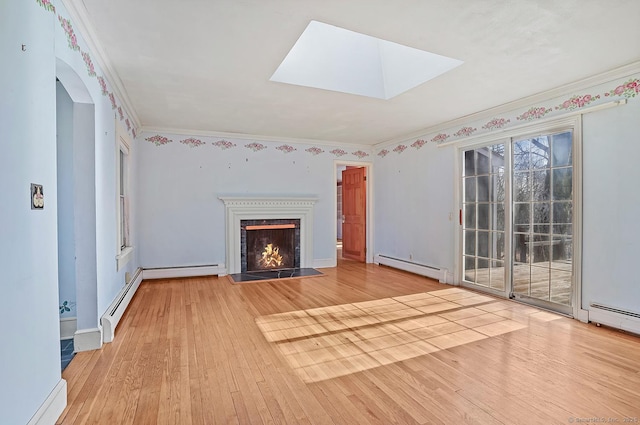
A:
(271, 257)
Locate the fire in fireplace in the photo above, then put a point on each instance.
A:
(270, 244)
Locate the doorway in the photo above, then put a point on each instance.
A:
(76, 183)
(518, 218)
(353, 210)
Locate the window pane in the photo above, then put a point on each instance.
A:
(540, 152)
(562, 183)
(521, 155)
(560, 287)
(470, 216)
(521, 186)
(541, 213)
(497, 247)
(540, 250)
(562, 250)
(540, 185)
(482, 162)
(123, 242)
(521, 217)
(521, 247)
(540, 282)
(497, 216)
(562, 213)
(470, 242)
(483, 216)
(497, 275)
(482, 272)
(561, 149)
(497, 159)
(470, 189)
(121, 167)
(469, 163)
(497, 186)
(521, 278)
(483, 188)
(483, 244)
(470, 269)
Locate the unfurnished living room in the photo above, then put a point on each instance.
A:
(320, 212)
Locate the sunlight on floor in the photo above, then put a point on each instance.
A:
(327, 342)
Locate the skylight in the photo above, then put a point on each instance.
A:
(333, 58)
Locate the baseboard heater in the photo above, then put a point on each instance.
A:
(115, 311)
(615, 317)
(409, 266)
(183, 271)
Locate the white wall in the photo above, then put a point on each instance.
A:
(181, 220)
(66, 232)
(414, 194)
(611, 246)
(84, 206)
(30, 358)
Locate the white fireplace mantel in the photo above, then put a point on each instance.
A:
(267, 208)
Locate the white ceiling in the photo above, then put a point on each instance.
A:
(204, 65)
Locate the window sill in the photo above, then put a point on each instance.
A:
(124, 257)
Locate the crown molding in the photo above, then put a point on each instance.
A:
(605, 77)
(81, 20)
(252, 137)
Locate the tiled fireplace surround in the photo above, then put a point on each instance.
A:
(239, 208)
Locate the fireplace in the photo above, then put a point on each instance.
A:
(272, 244)
(242, 211)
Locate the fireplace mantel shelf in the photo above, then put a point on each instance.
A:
(267, 207)
(281, 202)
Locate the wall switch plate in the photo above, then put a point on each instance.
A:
(37, 197)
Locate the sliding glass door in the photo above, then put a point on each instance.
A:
(484, 216)
(542, 218)
(517, 219)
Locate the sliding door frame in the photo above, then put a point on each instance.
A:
(573, 123)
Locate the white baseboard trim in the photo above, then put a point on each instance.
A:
(615, 320)
(52, 407)
(87, 339)
(171, 272)
(112, 316)
(324, 263)
(68, 327)
(441, 275)
(583, 315)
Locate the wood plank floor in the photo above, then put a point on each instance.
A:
(362, 344)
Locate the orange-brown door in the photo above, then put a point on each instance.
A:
(354, 217)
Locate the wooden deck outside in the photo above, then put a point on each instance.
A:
(362, 344)
(549, 282)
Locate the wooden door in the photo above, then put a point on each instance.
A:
(354, 217)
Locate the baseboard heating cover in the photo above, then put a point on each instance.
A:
(409, 266)
(115, 311)
(615, 317)
(186, 271)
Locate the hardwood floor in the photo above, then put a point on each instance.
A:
(362, 344)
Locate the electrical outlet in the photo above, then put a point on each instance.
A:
(410, 256)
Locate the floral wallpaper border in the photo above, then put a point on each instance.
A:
(207, 142)
(602, 93)
(74, 45)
